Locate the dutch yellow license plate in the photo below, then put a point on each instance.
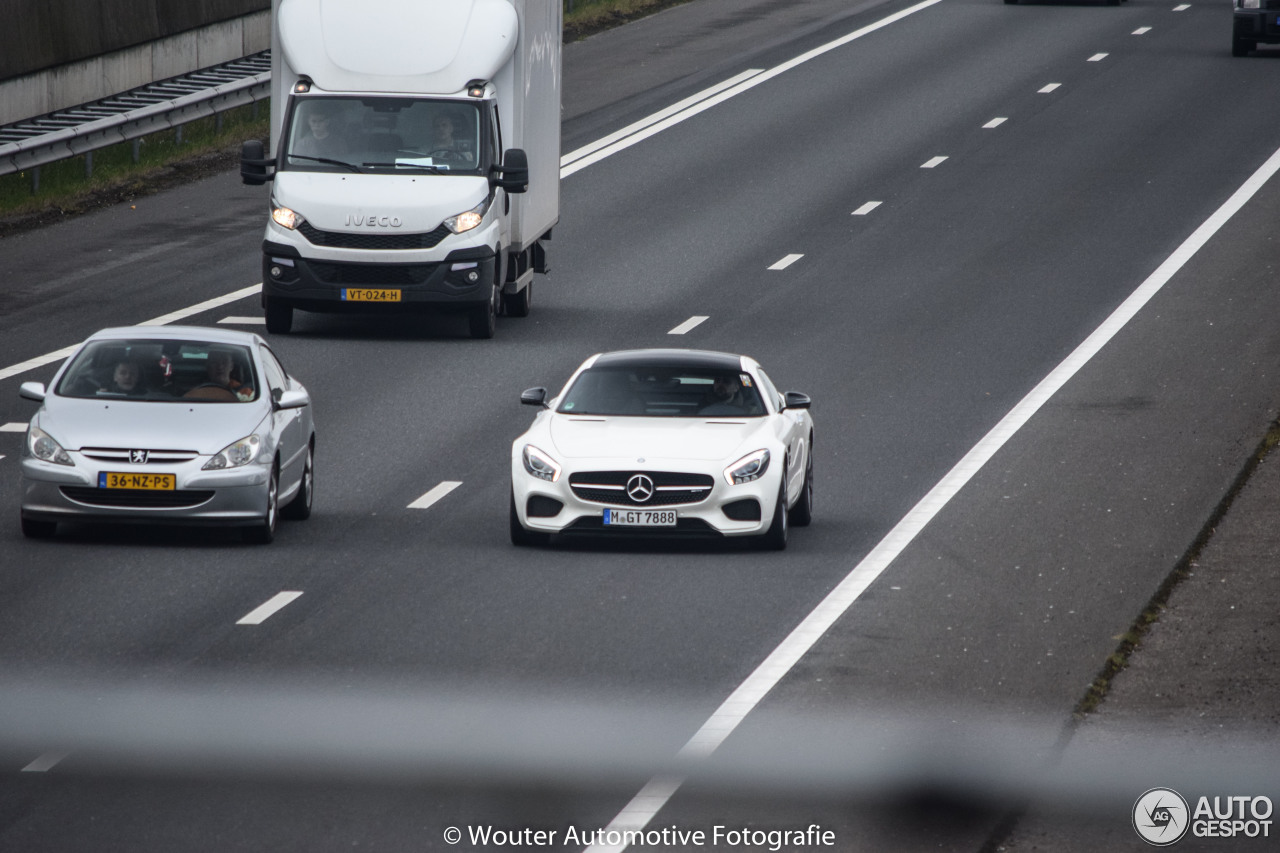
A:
(370, 294)
(150, 482)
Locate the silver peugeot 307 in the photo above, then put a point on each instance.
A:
(169, 424)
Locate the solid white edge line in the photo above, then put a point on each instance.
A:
(866, 208)
(58, 355)
(435, 494)
(45, 762)
(785, 262)
(643, 123)
(269, 608)
(642, 809)
(688, 325)
(217, 301)
(707, 103)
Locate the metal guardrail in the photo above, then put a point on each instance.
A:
(157, 106)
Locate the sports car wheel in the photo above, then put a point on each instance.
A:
(265, 530)
(775, 538)
(520, 535)
(802, 513)
(299, 509)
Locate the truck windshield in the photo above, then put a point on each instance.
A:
(383, 135)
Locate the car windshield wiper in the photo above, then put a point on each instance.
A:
(401, 165)
(352, 166)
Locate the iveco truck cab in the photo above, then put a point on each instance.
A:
(415, 149)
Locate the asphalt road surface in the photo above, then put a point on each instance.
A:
(917, 214)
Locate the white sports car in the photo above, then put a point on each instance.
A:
(664, 441)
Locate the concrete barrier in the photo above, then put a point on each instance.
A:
(175, 49)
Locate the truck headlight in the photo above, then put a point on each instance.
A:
(1250, 4)
(468, 220)
(286, 218)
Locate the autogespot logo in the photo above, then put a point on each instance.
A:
(1160, 817)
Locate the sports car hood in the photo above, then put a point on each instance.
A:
(707, 439)
(203, 427)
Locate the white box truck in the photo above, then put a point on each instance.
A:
(416, 156)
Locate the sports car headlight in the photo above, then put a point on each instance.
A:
(44, 448)
(540, 464)
(286, 218)
(234, 455)
(466, 221)
(748, 468)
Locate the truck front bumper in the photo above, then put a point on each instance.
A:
(462, 280)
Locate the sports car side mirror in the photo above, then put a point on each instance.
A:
(795, 400)
(534, 396)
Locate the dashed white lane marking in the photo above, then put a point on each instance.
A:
(243, 321)
(45, 762)
(1141, 31)
(1049, 88)
(435, 494)
(995, 122)
(867, 208)
(688, 325)
(13, 427)
(933, 162)
(1182, 8)
(269, 608)
(163, 320)
(637, 814)
(1098, 57)
(785, 262)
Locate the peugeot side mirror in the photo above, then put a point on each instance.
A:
(33, 391)
(513, 174)
(534, 396)
(795, 400)
(254, 163)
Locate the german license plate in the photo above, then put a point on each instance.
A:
(150, 482)
(640, 518)
(370, 294)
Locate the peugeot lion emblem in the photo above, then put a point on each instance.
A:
(138, 457)
(639, 488)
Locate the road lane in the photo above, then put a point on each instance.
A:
(964, 284)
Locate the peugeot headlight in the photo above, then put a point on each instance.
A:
(42, 446)
(466, 221)
(748, 468)
(286, 218)
(540, 464)
(235, 455)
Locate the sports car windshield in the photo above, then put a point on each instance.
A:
(663, 392)
(161, 370)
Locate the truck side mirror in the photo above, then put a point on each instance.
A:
(254, 163)
(514, 171)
